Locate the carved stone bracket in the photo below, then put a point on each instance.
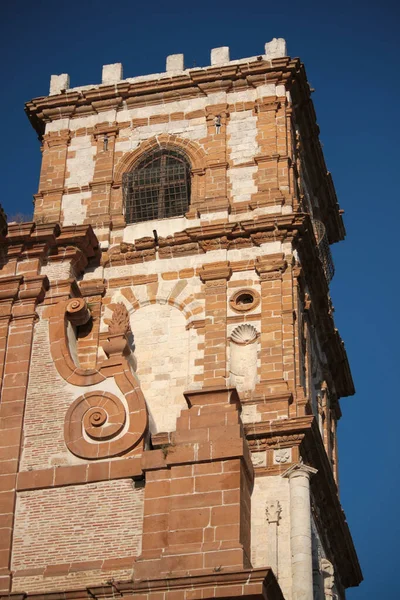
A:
(271, 266)
(105, 129)
(57, 138)
(214, 271)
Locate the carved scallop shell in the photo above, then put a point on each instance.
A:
(244, 334)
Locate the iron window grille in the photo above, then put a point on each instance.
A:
(158, 187)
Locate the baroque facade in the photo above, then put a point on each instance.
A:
(170, 367)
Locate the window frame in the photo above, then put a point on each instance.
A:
(162, 191)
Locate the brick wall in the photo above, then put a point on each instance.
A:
(83, 524)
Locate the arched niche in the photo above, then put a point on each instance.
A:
(243, 357)
(163, 354)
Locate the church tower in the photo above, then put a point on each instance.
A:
(170, 368)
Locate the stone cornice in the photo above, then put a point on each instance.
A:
(196, 82)
(197, 240)
(48, 241)
(257, 584)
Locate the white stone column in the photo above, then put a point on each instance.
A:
(300, 530)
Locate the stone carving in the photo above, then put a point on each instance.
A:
(77, 312)
(98, 424)
(243, 357)
(282, 456)
(294, 439)
(100, 417)
(273, 511)
(118, 329)
(244, 334)
(259, 459)
(328, 574)
(119, 322)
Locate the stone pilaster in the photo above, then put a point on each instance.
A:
(270, 269)
(18, 348)
(267, 176)
(215, 277)
(52, 176)
(99, 209)
(216, 191)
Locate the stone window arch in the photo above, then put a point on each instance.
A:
(158, 186)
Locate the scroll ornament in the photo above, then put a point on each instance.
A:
(99, 424)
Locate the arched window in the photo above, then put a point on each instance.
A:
(158, 187)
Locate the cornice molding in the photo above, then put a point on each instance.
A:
(259, 584)
(78, 103)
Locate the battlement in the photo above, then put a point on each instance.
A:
(175, 65)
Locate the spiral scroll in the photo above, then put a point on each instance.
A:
(98, 425)
(77, 311)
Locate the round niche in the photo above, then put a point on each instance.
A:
(244, 300)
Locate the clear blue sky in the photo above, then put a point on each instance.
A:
(350, 50)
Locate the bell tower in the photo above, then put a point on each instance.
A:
(171, 371)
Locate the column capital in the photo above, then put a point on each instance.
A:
(299, 470)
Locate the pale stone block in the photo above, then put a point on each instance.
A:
(220, 56)
(216, 98)
(112, 73)
(84, 122)
(242, 183)
(59, 83)
(81, 166)
(74, 209)
(58, 125)
(241, 96)
(263, 91)
(280, 90)
(175, 62)
(242, 138)
(55, 270)
(276, 48)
